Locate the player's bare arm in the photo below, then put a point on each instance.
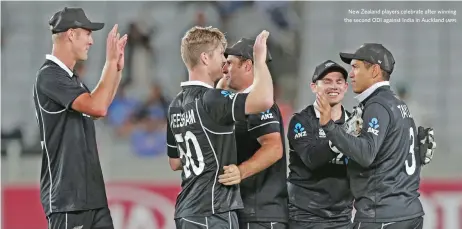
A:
(261, 96)
(97, 103)
(175, 164)
(268, 154)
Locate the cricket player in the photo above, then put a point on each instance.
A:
(200, 135)
(384, 161)
(260, 149)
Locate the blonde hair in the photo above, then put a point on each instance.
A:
(198, 40)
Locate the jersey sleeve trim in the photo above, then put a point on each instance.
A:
(232, 107)
(217, 133)
(238, 107)
(264, 124)
(172, 146)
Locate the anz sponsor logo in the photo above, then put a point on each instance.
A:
(374, 126)
(228, 94)
(299, 131)
(266, 115)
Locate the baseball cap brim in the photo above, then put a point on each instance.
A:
(93, 26)
(236, 52)
(348, 57)
(231, 51)
(328, 70)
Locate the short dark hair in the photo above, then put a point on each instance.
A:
(385, 75)
(242, 60)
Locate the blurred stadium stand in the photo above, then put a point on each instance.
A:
(303, 34)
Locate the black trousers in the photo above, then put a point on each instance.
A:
(262, 225)
(226, 220)
(319, 225)
(90, 219)
(416, 223)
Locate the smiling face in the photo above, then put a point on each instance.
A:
(333, 85)
(215, 61)
(238, 73)
(81, 40)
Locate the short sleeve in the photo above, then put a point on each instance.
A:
(172, 148)
(265, 122)
(59, 87)
(225, 107)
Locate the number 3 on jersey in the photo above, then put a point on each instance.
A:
(410, 169)
(189, 137)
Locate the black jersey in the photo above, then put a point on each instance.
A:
(71, 178)
(201, 133)
(383, 168)
(265, 193)
(318, 183)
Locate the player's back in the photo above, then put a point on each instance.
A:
(387, 191)
(205, 143)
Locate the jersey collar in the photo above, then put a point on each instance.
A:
(318, 115)
(361, 97)
(59, 63)
(247, 90)
(195, 83)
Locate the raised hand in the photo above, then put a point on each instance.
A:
(260, 48)
(121, 49)
(323, 107)
(112, 45)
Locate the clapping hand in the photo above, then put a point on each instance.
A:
(115, 47)
(323, 107)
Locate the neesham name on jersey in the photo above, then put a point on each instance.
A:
(179, 120)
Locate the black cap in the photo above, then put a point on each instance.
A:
(72, 18)
(327, 67)
(372, 53)
(244, 48)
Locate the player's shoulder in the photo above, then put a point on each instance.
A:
(222, 93)
(50, 68)
(382, 105)
(52, 76)
(384, 98)
(307, 112)
(176, 101)
(213, 96)
(305, 116)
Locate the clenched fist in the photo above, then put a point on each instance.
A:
(231, 175)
